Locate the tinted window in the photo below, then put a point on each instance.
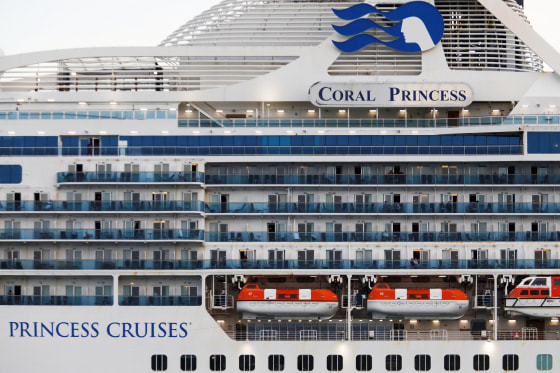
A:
(276, 363)
(159, 363)
(334, 362)
(246, 363)
(510, 362)
(364, 362)
(481, 362)
(452, 362)
(544, 362)
(393, 363)
(305, 363)
(422, 363)
(217, 362)
(188, 363)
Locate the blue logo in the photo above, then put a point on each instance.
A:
(419, 28)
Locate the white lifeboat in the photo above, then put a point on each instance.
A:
(385, 302)
(254, 302)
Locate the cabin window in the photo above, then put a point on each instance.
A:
(539, 281)
(481, 362)
(545, 292)
(422, 363)
(246, 363)
(556, 282)
(159, 363)
(305, 363)
(534, 292)
(544, 362)
(424, 296)
(188, 363)
(452, 362)
(524, 292)
(364, 363)
(276, 363)
(382, 286)
(411, 296)
(393, 363)
(510, 362)
(293, 296)
(251, 286)
(334, 363)
(280, 296)
(217, 362)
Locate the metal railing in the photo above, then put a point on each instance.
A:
(306, 265)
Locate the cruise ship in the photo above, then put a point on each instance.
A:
(286, 186)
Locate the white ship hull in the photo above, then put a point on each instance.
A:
(119, 353)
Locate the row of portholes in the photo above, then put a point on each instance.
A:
(363, 362)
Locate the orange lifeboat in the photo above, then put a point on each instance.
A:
(416, 303)
(254, 302)
(535, 296)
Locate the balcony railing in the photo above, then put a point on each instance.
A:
(265, 264)
(130, 177)
(101, 234)
(376, 122)
(55, 300)
(380, 236)
(377, 331)
(395, 179)
(283, 208)
(90, 206)
(381, 208)
(200, 235)
(159, 301)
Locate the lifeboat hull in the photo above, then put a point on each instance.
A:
(284, 310)
(537, 307)
(418, 309)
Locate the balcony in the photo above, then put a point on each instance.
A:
(130, 177)
(91, 206)
(55, 300)
(209, 264)
(159, 301)
(381, 208)
(380, 236)
(101, 234)
(396, 179)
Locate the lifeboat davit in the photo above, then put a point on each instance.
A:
(254, 302)
(535, 296)
(385, 302)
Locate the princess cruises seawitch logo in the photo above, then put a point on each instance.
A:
(419, 28)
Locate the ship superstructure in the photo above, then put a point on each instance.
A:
(219, 201)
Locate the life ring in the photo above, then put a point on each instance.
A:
(516, 335)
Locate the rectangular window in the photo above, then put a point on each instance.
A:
(422, 363)
(276, 363)
(510, 362)
(481, 362)
(334, 363)
(305, 363)
(393, 363)
(159, 363)
(364, 363)
(188, 363)
(544, 362)
(246, 363)
(217, 363)
(452, 362)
